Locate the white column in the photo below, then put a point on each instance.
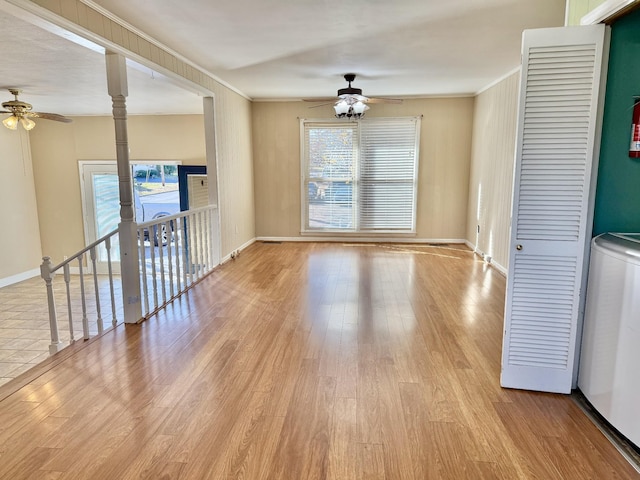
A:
(129, 259)
(208, 107)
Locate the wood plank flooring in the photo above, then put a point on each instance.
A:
(304, 361)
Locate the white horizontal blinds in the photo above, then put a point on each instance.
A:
(330, 151)
(360, 176)
(554, 177)
(387, 183)
(557, 107)
(542, 311)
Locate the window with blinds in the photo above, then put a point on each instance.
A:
(360, 176)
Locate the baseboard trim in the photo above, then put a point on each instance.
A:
(470, 245)
(360, 239)
(20, 277)
(237, 251)
(487, 258)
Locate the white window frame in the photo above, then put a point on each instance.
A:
(304, 171)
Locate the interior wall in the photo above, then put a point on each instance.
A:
(57, 148)
(445, 149)
(235, 169)
(20, 250)
(617, 203)
(579, 8)
(492, 162)
(232, 111)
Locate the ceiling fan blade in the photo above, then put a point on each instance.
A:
(322, 104)
(5, 111)
(49, 116)
(359, 98)
(384, 100)
(321, 99)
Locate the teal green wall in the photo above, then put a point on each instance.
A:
(617, 207)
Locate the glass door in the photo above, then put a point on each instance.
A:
(101, 202)
(156, 195)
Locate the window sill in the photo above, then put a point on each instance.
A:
(357, 234)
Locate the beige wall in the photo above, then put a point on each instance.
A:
(577, 9)
(235, 169)
(232, 112)
(57, 148)
(492, 162)
(20, 252)
(445, 146)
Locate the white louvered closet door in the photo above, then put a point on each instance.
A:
(557, 146)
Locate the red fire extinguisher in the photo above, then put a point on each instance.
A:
(634, 149)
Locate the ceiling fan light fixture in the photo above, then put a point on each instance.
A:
(342, 108)
(359, 108)
(11, 122)
(20, 112)
(27, 123)
(350, 107)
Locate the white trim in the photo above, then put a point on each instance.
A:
(330, 100)
(58, 25)
(127, 26)
(605, 11)
(487, 258)
(42, 18)
(499, 268)
(20, 277)
(357, 239)
(360, 158)
(245, 245)
(471, 246)
(498, 80)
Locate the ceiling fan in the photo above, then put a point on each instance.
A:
(21, 112)
(350, 102)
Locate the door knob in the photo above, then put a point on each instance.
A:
(518, 247)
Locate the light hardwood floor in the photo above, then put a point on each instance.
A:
(304, 361)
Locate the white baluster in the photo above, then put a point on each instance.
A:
(207, 238)
(195, 236)
(47, 275)
(67, 281)
(188, 250)
(179, 235)
(85, 320)
(161, 248)
(92, 255)
(169, 256)
(114, 320)
(152, 256)
(143, 269)
(200, 245)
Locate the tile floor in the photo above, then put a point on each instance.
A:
(24, 316)
(24, 320)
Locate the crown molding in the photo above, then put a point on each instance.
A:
(607, 11)
(127, 26)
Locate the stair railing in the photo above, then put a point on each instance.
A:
(182, 255)
(48, 272)
(175, 252)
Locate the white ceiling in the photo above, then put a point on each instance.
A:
(60, 76)
(281, 49)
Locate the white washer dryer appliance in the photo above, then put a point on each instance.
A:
(609, 373)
